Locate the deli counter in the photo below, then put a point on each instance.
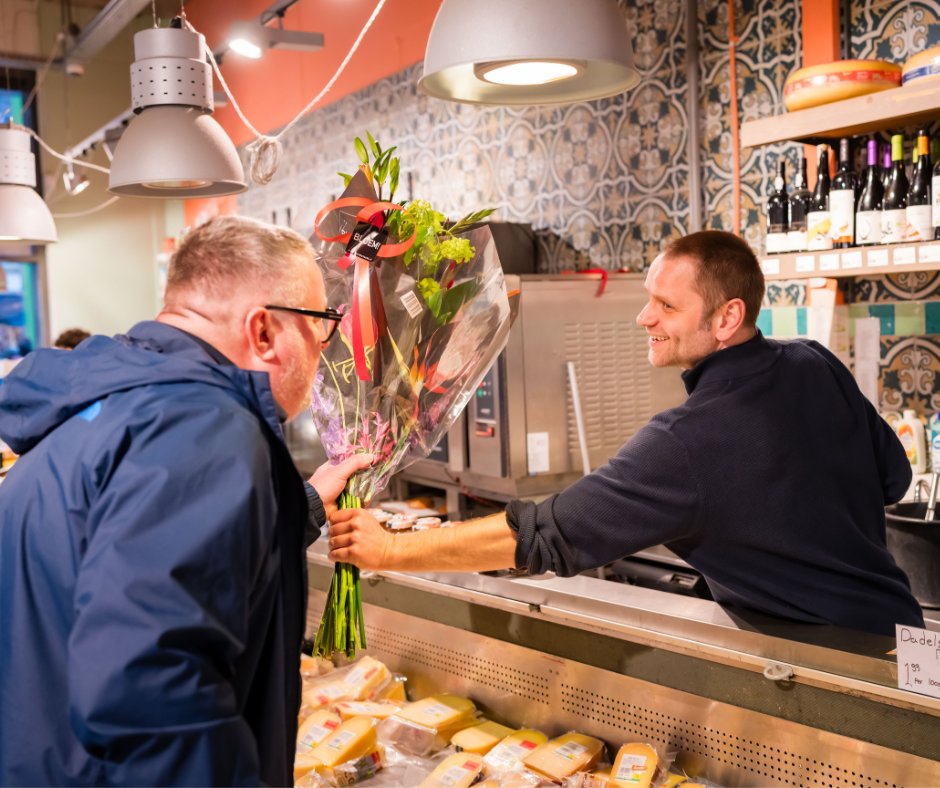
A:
(743, 699)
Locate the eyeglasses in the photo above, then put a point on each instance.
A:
(331, 315)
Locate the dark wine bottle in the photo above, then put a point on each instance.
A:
(868, 215)
(842, 199)
(778, 212)
(799, 209)
(919, 222)
(935, 193)
(893, 212)
(886, 165)
(819, 220)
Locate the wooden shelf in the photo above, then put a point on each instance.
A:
(911, 104)
(860, 261)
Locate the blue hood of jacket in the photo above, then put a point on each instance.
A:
(50, 386)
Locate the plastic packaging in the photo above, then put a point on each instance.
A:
(426, 726)
(564, 755)
(933, 434)
(509, 753)
(364, 679)
(913, 437)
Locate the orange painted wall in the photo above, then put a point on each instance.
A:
(820, 45)
(272, 90)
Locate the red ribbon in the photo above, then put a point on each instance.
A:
(365, 332)
(602, 271)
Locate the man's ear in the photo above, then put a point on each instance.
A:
(728, 319)
(260, 332)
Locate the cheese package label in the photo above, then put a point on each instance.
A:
(562, 757)
(481, 738)
(438, 711)
(315, 729)
(509, 753)
(378, 710)
(361, 769)
(635, 765)
(353, 739)
(457, 771)
(366, 677)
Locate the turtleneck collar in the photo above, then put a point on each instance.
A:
(748, 358)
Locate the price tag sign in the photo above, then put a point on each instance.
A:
(929, 253)
(877, 258)
(851, 260)
(770, 266)
(829, 262)
(906, 255)
(805, 263)
(918, 660)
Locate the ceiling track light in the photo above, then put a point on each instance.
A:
(74, 183)
(251, 39)
(528, 52)
(174, 147)
(24, 216)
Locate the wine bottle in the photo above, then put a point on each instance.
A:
(919, 221)
(935, 192)
(819, 220)
(868, 215)
(799, 210)
(842, 199)
(886, 166)
(777, 213)
(893, 212)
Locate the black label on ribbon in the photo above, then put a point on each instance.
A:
(366, 240)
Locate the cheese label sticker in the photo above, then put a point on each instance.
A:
(454, 775)
(505, 755)
(631, 768)
(437, 710)
(571, 750)
(316, 734)
(326, 694)
(340, 740)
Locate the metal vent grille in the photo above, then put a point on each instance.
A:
(615, 384)
(473, 669)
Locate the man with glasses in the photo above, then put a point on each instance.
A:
(152, 534)
(771, 479)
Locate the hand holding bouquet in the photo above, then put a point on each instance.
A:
(425, 313)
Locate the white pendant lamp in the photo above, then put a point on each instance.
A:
(528, 52)
(174, 147)
(24, 216)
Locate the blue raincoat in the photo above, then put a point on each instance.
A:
(152, 577)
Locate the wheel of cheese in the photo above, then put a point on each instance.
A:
(815, 85)
(922, 65)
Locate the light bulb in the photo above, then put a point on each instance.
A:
(528, 72)
(245, 48)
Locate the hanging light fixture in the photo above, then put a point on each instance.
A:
(528, 52)
(251, 39)
(75, 184)
(24, 216)
(173, 147)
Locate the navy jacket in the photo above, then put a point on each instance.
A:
(771, 480)
(152, 577)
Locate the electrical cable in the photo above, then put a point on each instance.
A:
(51, 151)
(60, 37)
(265, 151)
(77, 214)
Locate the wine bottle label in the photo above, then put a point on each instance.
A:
(935, 191)
(893, 226)
(919, 223)
(819, 230)
(777, 242)
(868, 227)
(842, 210)
(796, 240)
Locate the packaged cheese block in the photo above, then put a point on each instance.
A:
(509, 753)
(377, 709)
(425, 726)
(367, 677)
(324, 693)
(480, 738)
(635, 765)
(456, 771)
(923, 65)
(394, 690)
(596, 779)
(673, 779)
(361, 769)
(562, 757)
(305, 765)
(315, 729)
(349, 742)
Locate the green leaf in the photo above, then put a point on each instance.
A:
(361, 151)
(376, 150)
(393, 175)
(383, 171)
(455, 298)
(346, 178)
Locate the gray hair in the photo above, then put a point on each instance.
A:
(233, 252)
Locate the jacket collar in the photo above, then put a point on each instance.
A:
(738, 361)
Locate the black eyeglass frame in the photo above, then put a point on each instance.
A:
(328, 314)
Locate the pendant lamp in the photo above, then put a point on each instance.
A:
(173, 147)
(24, 215)
(528, 52)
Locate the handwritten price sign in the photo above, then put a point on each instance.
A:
(919, 660)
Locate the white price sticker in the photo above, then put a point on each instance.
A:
(905, 256)
(537, 444)
(770, 266)
(829, 262)
(918, 660)
(851, 260)
(929, 253)
(805, 263)
(877, 258)
(412, 303)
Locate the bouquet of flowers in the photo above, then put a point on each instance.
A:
(425, 313)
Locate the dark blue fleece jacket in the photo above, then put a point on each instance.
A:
(152, 576)
(771, 480)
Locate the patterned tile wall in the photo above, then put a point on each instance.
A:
(605, 183)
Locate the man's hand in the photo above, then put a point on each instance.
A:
(357, 538)
(329, 480)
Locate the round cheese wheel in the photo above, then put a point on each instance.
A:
(923, 64)
(815, 85)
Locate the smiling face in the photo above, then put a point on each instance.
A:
(680, 333)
